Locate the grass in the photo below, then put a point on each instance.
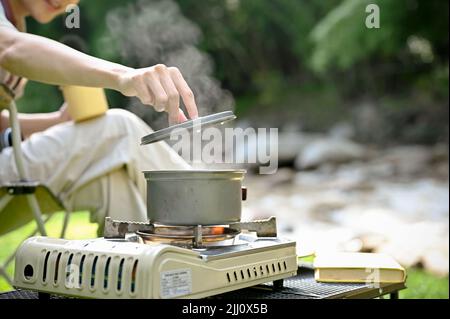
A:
(79, 228)
(421, 284)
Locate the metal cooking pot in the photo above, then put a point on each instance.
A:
(195, 197)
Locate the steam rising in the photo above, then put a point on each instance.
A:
(155, 31)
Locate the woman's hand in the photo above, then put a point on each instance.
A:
(33, 123)
(63, 114)
(48, 61)
(16, 85)
(161, 87)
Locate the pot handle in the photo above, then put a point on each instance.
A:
(244, 193)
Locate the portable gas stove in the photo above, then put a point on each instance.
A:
(144, 260)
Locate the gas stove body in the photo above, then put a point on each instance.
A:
(121, 268)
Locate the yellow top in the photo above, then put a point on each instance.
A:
(85, 103)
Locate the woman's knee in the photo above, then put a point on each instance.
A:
(127, 119)
(121, 115)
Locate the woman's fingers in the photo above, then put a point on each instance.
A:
(185, 92)
(162, 88)
(173, 104)
(181, 116)
(10, 80)
(64, 113)
(161, 99)
(142, 91)
(20, 88)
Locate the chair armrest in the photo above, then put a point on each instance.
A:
(21, 188)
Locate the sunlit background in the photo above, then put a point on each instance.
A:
(362, 113)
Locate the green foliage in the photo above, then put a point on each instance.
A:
(423, 285)
(420, 283)
(40, 98)
(342, 38)
(79, 228)
(262, 50)
(256, 39)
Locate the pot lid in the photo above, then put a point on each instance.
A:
(209, 120)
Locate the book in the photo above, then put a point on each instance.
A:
(358, 268)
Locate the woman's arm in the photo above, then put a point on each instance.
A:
(33, 123)
(48, 61)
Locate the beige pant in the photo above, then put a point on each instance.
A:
(95, 165)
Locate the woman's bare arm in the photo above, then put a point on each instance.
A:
(33, 123)
(48, 61)
(40, 59)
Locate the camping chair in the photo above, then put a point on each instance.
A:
(24, 201)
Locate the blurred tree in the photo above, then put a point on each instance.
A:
(252, 40)
(412, 41)
(342, 39)
(315, 58)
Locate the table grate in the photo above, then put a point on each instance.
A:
(302, 286)
(24, 294)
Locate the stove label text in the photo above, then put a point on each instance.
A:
(176, 283)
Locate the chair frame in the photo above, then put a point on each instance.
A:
(24, 186)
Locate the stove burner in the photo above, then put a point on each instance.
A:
(191, 237)
(196, 236)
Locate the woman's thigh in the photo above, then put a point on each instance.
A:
(67, 152)
(69, 156)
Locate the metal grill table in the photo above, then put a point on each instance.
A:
(302, 286)
(24, 294)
